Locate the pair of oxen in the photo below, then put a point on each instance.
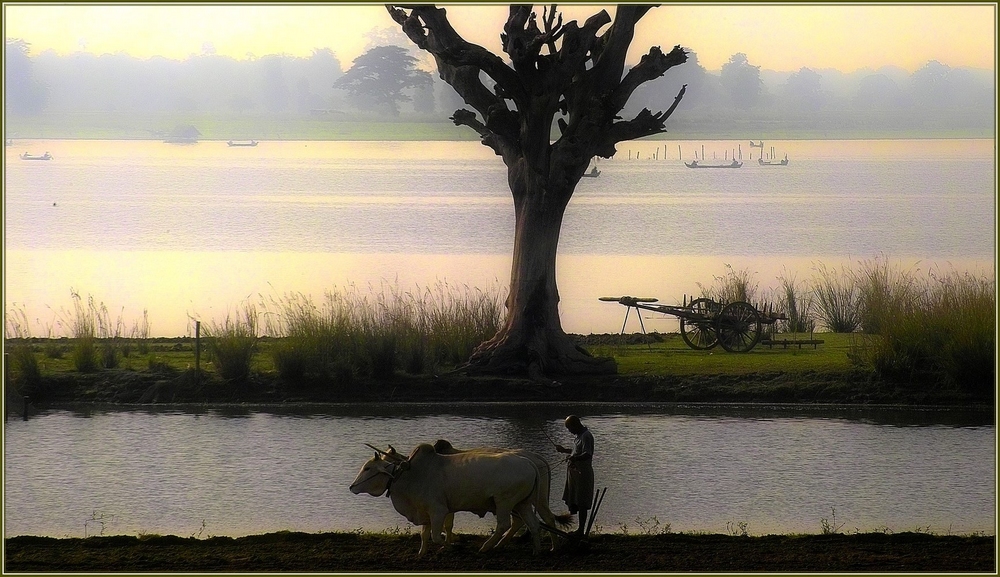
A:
(435, 481)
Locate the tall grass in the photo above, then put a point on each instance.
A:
(884, 292)
(140, 333)
(25, 368)
(380, 332)
(232, 343)
(796, 301)
(456, 320)
(938, 329)
(836, 299)
(84, 328)
(734, 285)
(962, 309)
(317, 341)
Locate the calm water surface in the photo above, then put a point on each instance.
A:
(192, 231)
(249, 470)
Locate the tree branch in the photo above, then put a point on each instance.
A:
(468, 118)
(610, 64)
(459, 64)
(653, 65)
(645, 123)
(428, 27)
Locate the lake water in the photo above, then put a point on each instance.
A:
(193, 231)
(245, 470)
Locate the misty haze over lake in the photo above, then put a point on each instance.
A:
(936, 99)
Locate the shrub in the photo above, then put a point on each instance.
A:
(54, 350)
(158, 365)
(290, 361)
(232, 344)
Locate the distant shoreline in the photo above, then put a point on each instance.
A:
(110, 126)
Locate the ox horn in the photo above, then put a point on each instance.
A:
(377, 450)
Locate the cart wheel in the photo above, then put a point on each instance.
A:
(738, 327)
(700, 334)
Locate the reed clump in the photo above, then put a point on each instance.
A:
(734, 285)
(936, 329)
(379, 332)
(233, 342)
(835, 295)
(797, 302)
(25, 368)
(84, 328)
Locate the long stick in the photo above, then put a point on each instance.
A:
(544, 432)
(597, 505)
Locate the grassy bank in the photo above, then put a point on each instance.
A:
(657, 368)
(376, 553)
(115, 126)
(891, 336)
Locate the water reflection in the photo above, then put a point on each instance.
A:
(525, 419)
(249, 469)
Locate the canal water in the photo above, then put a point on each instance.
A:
(245, 470)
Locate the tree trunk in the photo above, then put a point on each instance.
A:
(577, 72)
(531, 339)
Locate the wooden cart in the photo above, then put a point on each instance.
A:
(705, 323)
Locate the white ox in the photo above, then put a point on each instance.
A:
(542, 492)
(428, 487)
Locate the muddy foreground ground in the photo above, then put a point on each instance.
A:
(351, 552)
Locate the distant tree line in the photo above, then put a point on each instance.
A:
(935, 92)
(387, 80)
(84, 82)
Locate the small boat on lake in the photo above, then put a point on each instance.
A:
(782, 162)
(27, 156)
(594, 173)
(695, 164)
(242, 143)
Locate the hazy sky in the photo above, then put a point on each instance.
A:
(776, 37)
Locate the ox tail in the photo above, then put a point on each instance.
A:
(565, 519)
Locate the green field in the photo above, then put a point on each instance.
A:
(673, 357)
(661, 370)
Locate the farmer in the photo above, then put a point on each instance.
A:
(579, 491)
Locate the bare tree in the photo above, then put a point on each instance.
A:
(562, 73)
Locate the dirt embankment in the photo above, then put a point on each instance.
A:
(349, 552)
(141, 387)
